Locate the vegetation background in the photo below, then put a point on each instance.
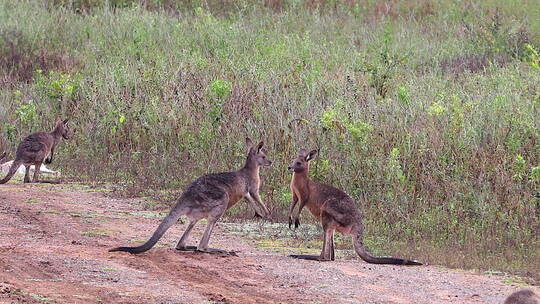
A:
(427, 112)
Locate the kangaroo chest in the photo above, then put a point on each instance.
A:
(302, 190)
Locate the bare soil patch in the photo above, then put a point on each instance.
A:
(54, 241)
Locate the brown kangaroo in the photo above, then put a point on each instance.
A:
(335, 209)
(209, 197)
(524, 296)
(36, 149)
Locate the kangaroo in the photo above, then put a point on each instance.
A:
(209, 197)
(36, 149)
(335, 209)
(524, 296)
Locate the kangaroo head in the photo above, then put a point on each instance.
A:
(256, 154)
(62, 128)
(301, 163)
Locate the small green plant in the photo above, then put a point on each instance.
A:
(330, 119)
(11, 132)
(27, 114)
(436, 109)
(95, 233)
(359, 131)
(333, 119)
(520, 167)
(535, 174)
(116, 121)
(60, 88)
(395, 171)
(382, 68)
(219, 91)
(41, 298)
(403, 95)
(533, 56)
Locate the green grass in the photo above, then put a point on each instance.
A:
(425, 112)
(96, 233)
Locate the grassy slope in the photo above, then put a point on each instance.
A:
(439, 145)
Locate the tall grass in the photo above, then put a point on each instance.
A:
(426, 112)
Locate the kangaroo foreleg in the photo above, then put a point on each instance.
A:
(49, 159)
(291, 209)
(295, 217)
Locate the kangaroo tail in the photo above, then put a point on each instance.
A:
(366, 256)
(12, 170)
(169, 220)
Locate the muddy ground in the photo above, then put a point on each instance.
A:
(54, 241)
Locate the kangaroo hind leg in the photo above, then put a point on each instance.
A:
(203, 245)
(27, 174)
(329, 225)
(183, 240)
(37, 167)
(213, 217)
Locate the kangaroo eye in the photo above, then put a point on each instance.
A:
(263, 157)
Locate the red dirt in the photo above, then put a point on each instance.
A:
(54, 241)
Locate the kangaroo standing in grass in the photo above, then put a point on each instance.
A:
(524, 296)
(335, 209)
(36, 149)
(209, 197)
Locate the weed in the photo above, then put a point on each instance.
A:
(95, 233)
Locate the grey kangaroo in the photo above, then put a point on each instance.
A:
(524, 296)
(335, 209)
(38, 148)
(209, 197)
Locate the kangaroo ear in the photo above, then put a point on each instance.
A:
(259, 146)
(249, 144)
(311, 155)
(302, 152)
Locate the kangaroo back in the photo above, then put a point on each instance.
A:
(12, 170)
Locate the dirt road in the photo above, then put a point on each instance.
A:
(54, 241)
